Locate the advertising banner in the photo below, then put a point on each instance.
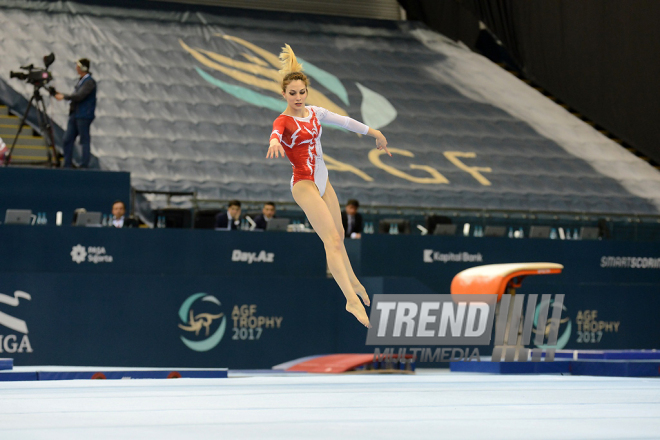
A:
(438, 328)
(159, 251)
(169, 321)
(243, 322)
(436, 260)
(174, 298)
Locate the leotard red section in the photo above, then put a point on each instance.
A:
(300, 138)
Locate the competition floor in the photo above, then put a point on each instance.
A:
(431, 404)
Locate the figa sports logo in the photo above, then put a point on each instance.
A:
(92, 254)
(203, 321)
(9, 342)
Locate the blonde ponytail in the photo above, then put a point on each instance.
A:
(289, 61)
(291, 68)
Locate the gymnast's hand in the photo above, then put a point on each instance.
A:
(274, 150)
(381, 142)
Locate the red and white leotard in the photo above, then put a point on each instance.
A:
(301, 139)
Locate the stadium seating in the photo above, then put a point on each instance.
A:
(186, 103)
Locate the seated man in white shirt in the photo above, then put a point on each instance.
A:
(119, 219)
(267, 213)
(351, 219)
(230, 220)
(118, 212)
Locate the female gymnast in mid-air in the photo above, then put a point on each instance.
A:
(297, 133)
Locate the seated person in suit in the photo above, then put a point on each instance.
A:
(119, 219)
(230, 220)
(267, 213)
(352, 220)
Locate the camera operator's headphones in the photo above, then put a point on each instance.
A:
(83, 63)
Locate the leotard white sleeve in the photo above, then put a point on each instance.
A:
(325, 115)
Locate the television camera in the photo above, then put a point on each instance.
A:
(39, 78)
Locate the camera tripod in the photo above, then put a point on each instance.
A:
(45, 126)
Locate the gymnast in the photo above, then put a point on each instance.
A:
(297, 133)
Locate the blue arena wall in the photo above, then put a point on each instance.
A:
(52, 190)
(134, 309)
(435, 260)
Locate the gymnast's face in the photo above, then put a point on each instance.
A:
(296, 94)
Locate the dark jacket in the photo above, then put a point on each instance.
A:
(261, 222)
(222, 222)
(357, 224)
(83, 99)
(130, 222)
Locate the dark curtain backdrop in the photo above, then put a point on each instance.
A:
(602, 57)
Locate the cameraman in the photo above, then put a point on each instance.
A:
(81, 114)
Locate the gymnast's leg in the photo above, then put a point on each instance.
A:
(306, 194)
(330, 199)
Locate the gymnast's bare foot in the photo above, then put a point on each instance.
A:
(362, 293)
(357, 309)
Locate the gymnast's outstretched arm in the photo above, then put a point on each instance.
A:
(351, 124)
